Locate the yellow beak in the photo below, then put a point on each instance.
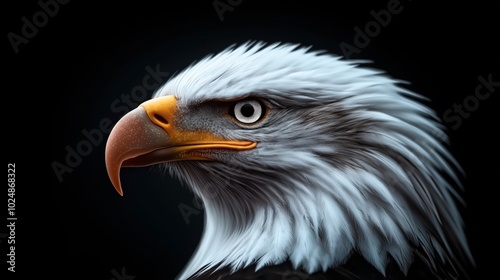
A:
(147, 135)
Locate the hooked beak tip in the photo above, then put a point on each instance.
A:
(120, 192)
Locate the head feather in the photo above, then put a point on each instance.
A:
(348, 160)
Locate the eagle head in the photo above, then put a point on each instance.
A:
(299, 156)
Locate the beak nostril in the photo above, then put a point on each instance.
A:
(160, 119)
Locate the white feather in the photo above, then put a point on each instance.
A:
(308, 196)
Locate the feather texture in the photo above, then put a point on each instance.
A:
(348, 161)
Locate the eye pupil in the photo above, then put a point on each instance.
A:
(247, 110)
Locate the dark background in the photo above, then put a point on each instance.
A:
(66, 77)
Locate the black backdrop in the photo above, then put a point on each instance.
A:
(83, 66)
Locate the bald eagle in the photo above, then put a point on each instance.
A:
(305, 162)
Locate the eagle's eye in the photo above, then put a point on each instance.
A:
(248, 111)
